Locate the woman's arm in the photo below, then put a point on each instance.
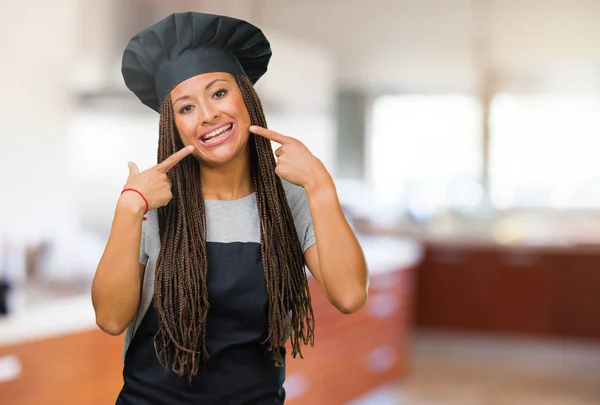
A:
(118, 279)
(336, 260)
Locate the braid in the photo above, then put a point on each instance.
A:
(280, 248)
(180, 291)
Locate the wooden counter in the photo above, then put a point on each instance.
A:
(534, 290)
(82, 368)
(353, 354)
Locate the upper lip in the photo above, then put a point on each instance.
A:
(214, 127)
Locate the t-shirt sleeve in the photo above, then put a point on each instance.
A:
(143, 254)
(298, 202)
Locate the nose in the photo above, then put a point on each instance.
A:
(209, 114)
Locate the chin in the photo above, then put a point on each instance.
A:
(220, 157)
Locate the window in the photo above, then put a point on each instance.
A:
(543, 151)
(101, 144)
(426, 152)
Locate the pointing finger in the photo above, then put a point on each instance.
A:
(269, 134)
(175, 158)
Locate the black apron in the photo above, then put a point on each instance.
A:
(240, 369)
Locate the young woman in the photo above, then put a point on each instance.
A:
(205, 263)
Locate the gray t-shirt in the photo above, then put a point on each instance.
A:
(227, 221)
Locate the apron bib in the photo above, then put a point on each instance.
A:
(240, 369)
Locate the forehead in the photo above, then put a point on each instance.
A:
(200, 82)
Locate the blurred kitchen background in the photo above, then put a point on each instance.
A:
(463, 136)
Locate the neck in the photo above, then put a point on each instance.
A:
(230, 181)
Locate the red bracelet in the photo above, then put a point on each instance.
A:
(141, 195)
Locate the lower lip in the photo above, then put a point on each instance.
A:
(221, 139)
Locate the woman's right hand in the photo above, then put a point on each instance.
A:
(153, 183)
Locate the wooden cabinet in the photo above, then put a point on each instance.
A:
(577, 292)
(452, 289)
(523, 290)
(520, 292)
(83, 368)
(353, 354)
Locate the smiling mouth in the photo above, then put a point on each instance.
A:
(213, 136)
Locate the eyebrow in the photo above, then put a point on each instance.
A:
(205, 88)
(213, 82)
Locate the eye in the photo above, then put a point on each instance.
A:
(220, 93)
(185, 109)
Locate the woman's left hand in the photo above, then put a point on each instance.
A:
(295, 163)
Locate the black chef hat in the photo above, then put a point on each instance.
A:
(188, 44)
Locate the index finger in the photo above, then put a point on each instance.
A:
(269, 134)
(175, 158)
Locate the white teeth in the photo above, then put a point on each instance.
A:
(216, 133)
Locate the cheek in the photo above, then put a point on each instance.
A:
(243, 116)
(185, 128)
(244, 123)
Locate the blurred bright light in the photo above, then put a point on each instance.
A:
(544, 151)
(426, 150)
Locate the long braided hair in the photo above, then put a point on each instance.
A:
(180, 293)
